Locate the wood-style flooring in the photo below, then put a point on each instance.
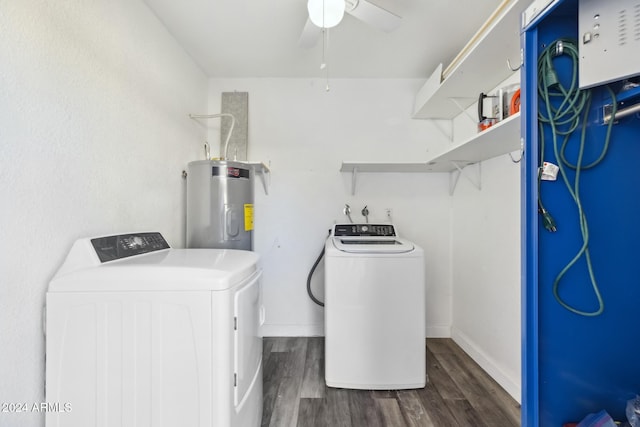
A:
(458, 393)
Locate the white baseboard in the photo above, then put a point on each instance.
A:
(278, 330)
(507, 382)
(438, 331)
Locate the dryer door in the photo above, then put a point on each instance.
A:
(248, 344)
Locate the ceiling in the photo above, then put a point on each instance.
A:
(259, 38)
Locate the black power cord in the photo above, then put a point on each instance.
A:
(313, 269)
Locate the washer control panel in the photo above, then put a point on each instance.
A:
(110, 248)
(364, 230)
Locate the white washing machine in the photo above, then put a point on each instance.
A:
(374, 309)
(139, 334)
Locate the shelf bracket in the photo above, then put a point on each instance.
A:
(461, 167)
(265, 175)
(462, 109)
(354, 176)
(447, 133)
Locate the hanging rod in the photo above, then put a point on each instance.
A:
(623, 113)
(213, 116)
(476, 37)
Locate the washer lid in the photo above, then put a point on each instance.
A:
(379, 245)
(163, 270)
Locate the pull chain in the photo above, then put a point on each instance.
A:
(325, 47)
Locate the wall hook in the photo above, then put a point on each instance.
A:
(519, 159)
(521, 152)
(511, 67)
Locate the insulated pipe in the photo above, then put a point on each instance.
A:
(213, 116)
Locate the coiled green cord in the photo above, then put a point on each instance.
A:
(573, 110)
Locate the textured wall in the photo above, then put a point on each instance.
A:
(485, 241)
(94, 134)
(486, 271)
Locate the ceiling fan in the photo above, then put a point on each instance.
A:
(328, 13)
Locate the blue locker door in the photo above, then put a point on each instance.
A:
(575, 364)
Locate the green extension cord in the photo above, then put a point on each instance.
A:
(572, 105)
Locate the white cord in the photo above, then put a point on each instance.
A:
(325, 41)
(213, 116)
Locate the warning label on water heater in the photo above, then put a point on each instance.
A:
(248, 217)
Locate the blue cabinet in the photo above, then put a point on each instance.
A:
(575, 364)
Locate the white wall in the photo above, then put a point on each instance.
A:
(485, 244)
(94, 135)
(304, 133)
(471, 239)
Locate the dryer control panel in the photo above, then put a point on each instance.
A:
(364, 230)
(110, 248)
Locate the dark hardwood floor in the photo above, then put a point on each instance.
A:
(459, 393)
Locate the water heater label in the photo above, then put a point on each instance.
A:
(230, 172)
(248, 217)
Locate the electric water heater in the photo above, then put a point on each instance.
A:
(219, 205)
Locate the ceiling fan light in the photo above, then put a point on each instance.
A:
(326, 13)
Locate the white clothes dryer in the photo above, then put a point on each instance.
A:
(138, 333)
(374, 309)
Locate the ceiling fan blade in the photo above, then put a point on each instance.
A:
(374, 15)
(310, 35)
